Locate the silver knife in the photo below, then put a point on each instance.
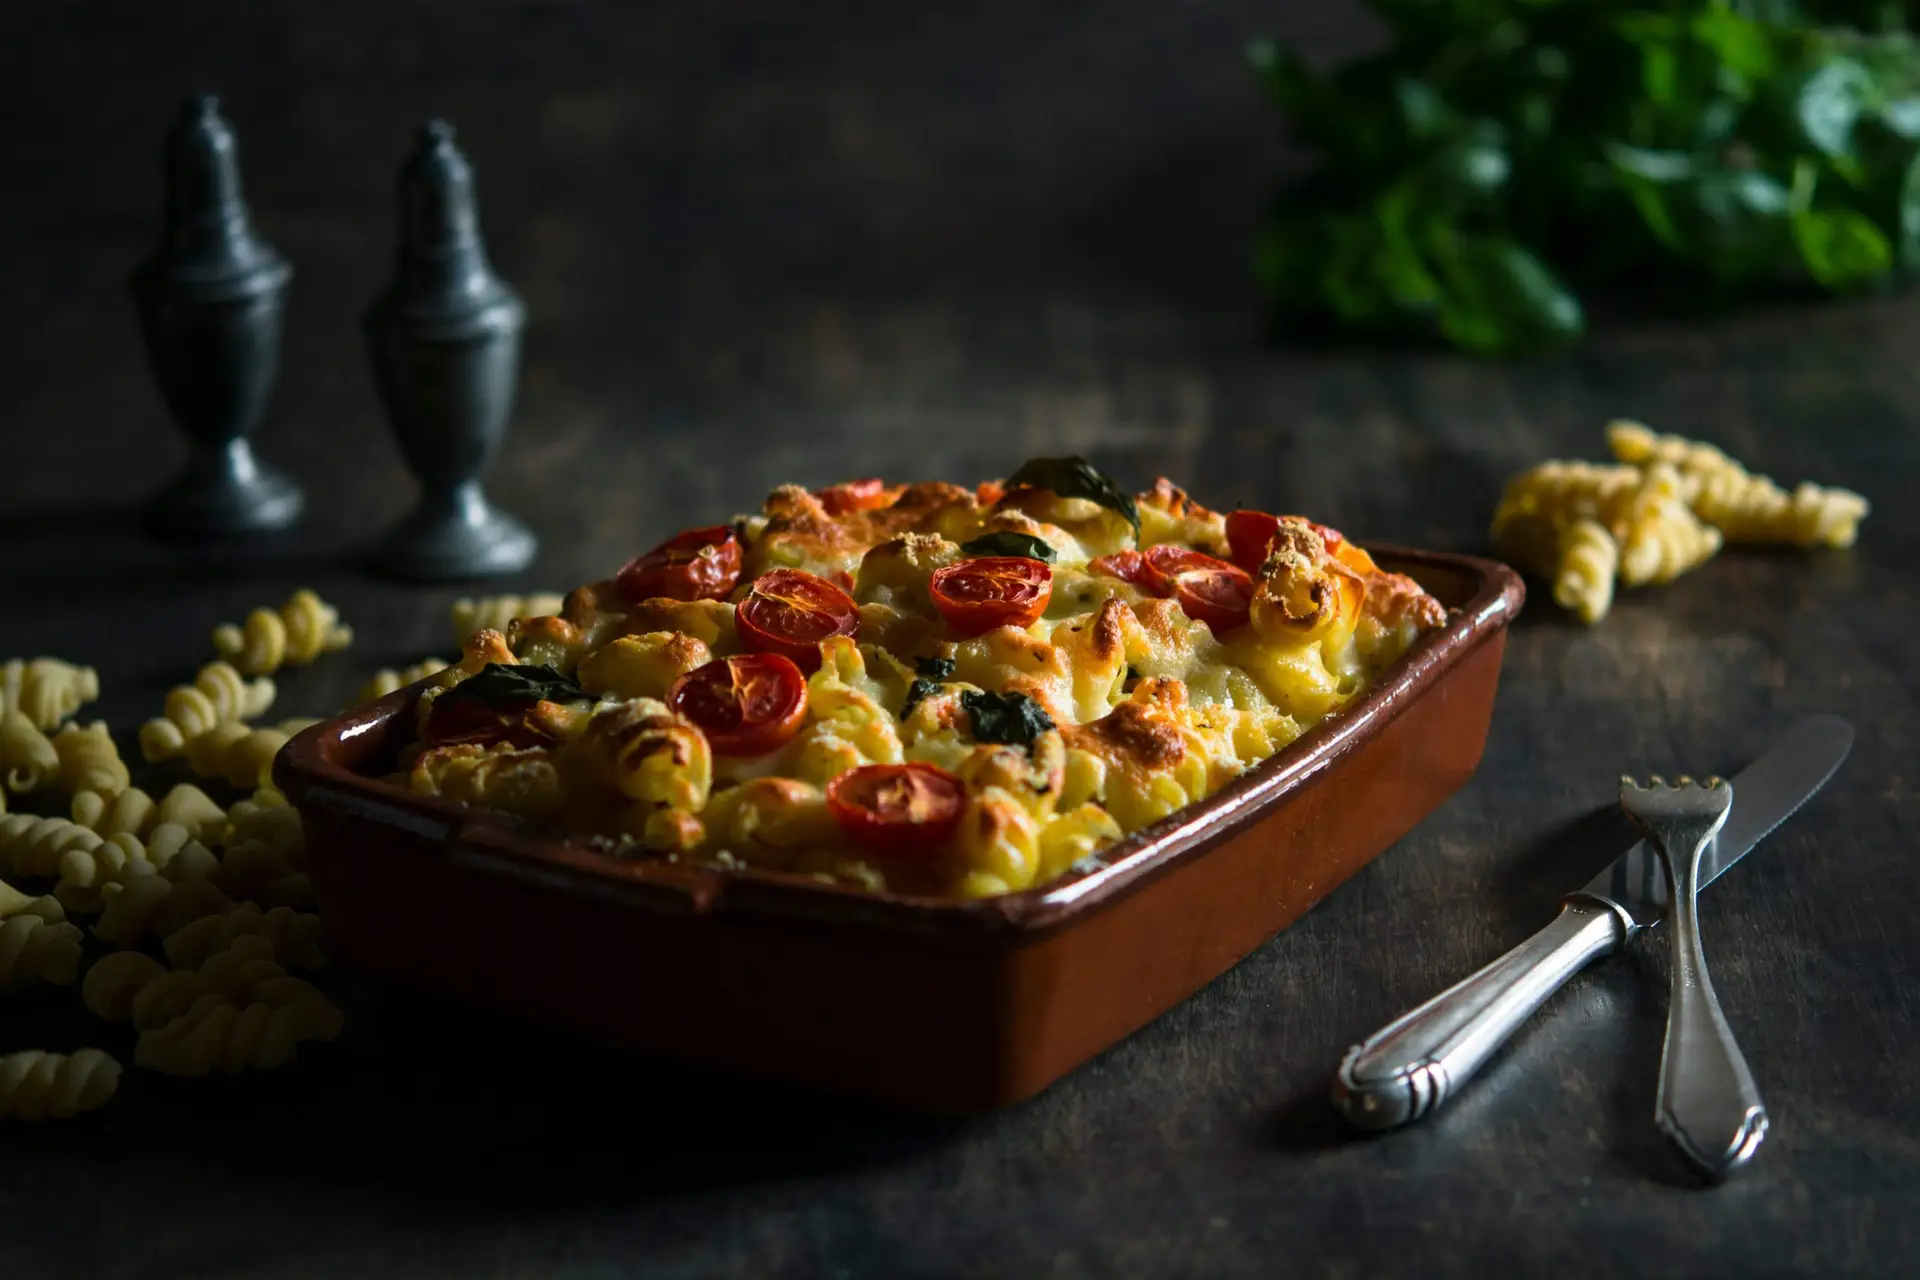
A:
(1415, 1063)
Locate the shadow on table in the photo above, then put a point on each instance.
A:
(441, 1106)
(41, 545)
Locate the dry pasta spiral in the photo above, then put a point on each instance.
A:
(13, 903)
(136, 812)
(293, 635)
(1743, 506)
(219, 694)
(215, 1034)
(31, 846)
(493, 613)
(46, 690)
(294, 936)
(387, 680)
(1583, 576)
(89, 761)
(156, 907)
(115, 980)
(241, 755)
(41, 1086)
(27, 757)
(33, 948)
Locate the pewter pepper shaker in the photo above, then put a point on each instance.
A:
(210, 300)
(445, 337)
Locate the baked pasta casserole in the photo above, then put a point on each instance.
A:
(917, 688)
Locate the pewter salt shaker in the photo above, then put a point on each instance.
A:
(445, 338)
(210, 301)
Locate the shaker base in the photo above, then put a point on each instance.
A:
(451, 538)
(226, 493)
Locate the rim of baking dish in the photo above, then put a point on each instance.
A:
(487, 842)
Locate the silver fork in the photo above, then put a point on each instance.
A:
(1707, 1105)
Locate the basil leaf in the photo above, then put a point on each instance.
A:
(1075, 477)
(1841, 248)
(1005, 542)
(504, 684)
(1012, 719)
(931, 672)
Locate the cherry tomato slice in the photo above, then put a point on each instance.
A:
(699, 564)
(989, 492)
(747, 705)
(1248, 535)
(1210, 590)
(789, 612)
(1130, 566)
(897, 808)
(978, 595)
(1249, 532)
(855, 495)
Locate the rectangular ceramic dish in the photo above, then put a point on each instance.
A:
(918, 1002)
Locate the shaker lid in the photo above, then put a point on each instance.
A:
(208, 248)
(443, 282)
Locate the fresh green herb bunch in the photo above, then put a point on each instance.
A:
(1502, 157)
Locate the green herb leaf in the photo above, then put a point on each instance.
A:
(1499, 297)
(931, 672)
(1013, 719)
(1842, 249)
(1005, 542)
(505, 684)
(1075, 477)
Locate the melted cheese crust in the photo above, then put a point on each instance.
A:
(1152, 710)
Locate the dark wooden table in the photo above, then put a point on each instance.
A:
(761, 249)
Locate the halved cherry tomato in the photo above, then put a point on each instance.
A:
(897, 808)
(855, 495)
(1248, 535)
(789, 612)
(1213, 591)
(980, 594)
(1129, 566)
(700, 564)
(747, 705)
(989, 492)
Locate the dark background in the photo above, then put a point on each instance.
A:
(767, 243)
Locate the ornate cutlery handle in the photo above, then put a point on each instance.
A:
(1411, 1066)
(1708, 1105)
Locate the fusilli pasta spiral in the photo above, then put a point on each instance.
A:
(1584, 575)
(387, 680)
(493, 613)
(136, 812)
(13, 903)
(46, 690)
(41, 1086)
(218, 695)
(241, 755)
(89, 761)
(154, 906)
(295, 634)
(27, 756)
(31, 846)
(34, 948)
(1743, 506)
(86, 872)
(114, 981)
(216, 1035)
(295, 936)
(245, 974)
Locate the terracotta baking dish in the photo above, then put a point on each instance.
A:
(917, 1002)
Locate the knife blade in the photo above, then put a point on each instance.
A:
(1770, 789)
(1411, 1067)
